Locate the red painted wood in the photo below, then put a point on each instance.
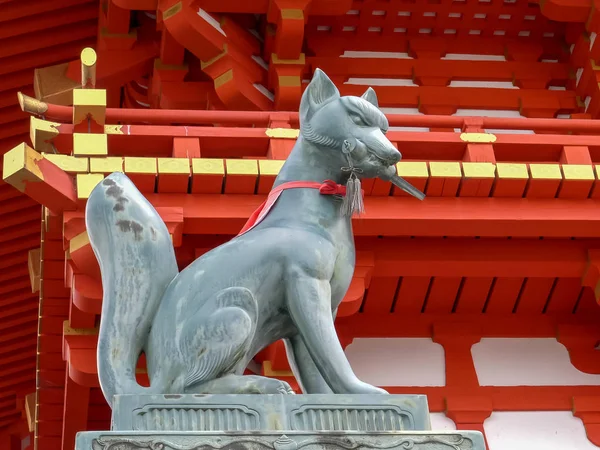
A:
(407, 276)
(504, 295)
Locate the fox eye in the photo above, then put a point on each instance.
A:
(358, 121)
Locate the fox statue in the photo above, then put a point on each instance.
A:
(283, 277)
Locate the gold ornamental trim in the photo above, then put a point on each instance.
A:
(172, 11)
(31, 105)
(478, 138)
(113, 129)
(282, 133)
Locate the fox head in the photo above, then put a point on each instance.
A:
(352, 126)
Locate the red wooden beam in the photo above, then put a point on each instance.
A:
(550, 102)
(566, 10)
(318, 7)
(75, 411)
(504, 398)
(83, 362)
(336, 41)
(401, 216)
(223, 142)
(464, 257)
(257, 118)
(38, 178)
(428, 69)
(419, 325)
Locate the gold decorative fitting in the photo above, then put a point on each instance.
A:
(69, 331)
(42, 131)
(282, 133)
(90, 144)
(172, 11)
(224, 78)
(106, 165)
(79, 241)
(21, 166)
(135, 164)
(416, 169)
(512, 171)
(289, 81)
(88, 59)
(300, 61)
(34, 268)
(89, 103)
(113, 129)
(478, 138)
(479, 170)
(293, 14)
(270, 166)
(86, 182)
(269, 372)
(241, 167)
(445, 169)
(545, 171)
(31, 105)
(30, 408)
(173, 166)
(205, 64)
(209, 166)
(68, 163)
(578, 172)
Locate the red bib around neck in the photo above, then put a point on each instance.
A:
(327, 187)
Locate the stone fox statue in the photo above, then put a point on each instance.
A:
(283, 278)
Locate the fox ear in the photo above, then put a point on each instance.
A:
(371, 97)
(318, 93)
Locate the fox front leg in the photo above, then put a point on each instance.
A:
(309, 305)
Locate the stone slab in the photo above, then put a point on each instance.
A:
(262, 440)
(316, 412)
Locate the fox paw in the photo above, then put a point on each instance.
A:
(285, 388)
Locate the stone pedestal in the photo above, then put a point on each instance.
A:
(278, 422)
(270, 413)
(264, 440)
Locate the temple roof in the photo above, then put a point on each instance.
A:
(33, 34)
(532, 63)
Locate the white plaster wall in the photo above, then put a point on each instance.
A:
(470, 57)
(483, 84)
(494, 113)
(552, 430)
(527, 362)
(361, 54)
(454, 84)
(499, 362)
(398, 361)
(441, 422)
(381, 82)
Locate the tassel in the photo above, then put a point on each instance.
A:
(353, 201)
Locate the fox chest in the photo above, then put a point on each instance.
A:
(342, 275)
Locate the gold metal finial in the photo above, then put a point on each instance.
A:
(31, 105)
(88, 67)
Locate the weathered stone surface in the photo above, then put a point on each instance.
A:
(283, 278)
(329, 412)
(413, 440)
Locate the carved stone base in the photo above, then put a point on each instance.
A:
(263, 440)
(368, 413)
(274, 422)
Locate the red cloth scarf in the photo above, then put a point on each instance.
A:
(327, 187)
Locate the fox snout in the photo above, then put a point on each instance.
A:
(381, 147)
(394, 157)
